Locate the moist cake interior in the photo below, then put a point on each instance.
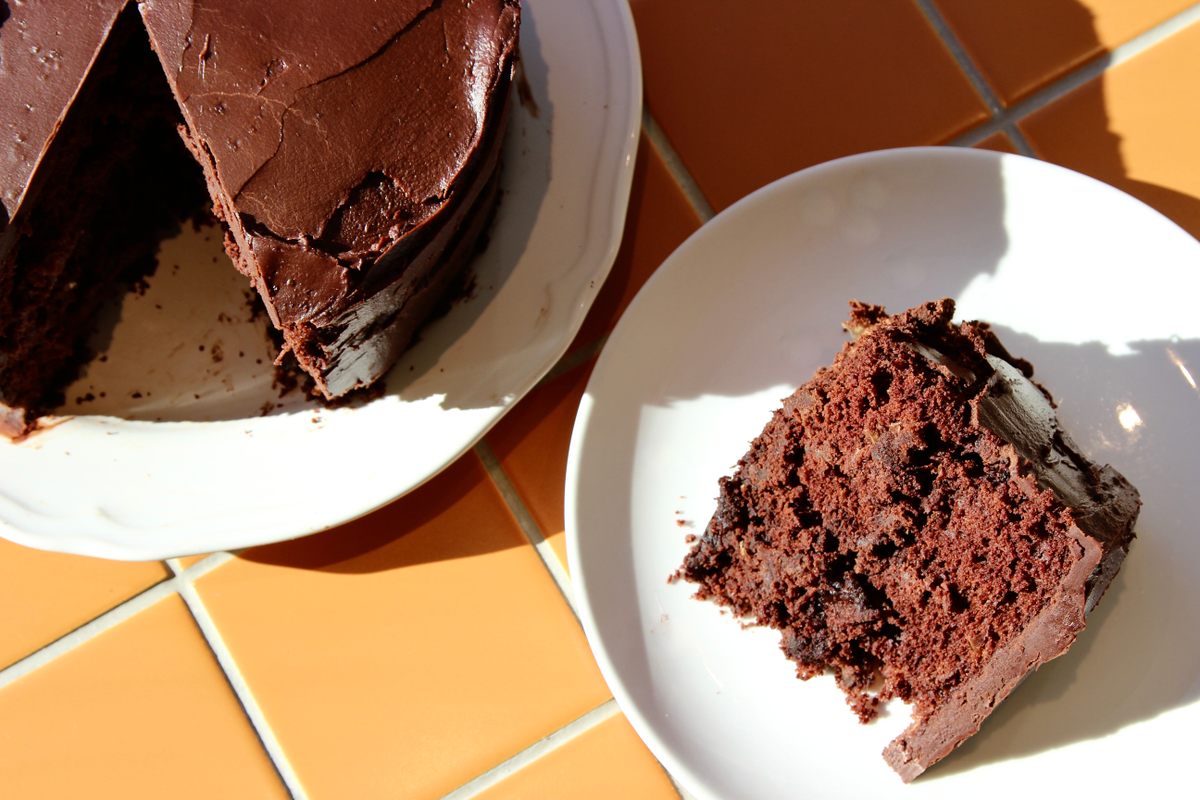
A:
(116, 181)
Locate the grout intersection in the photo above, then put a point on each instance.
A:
(237, 683)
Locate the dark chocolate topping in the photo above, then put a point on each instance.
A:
(1020, 412)
(44, 56)
(335, 146)
(337, 131)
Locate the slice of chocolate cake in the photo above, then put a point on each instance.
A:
(352, 150)
(914, 521)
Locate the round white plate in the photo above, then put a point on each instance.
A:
(174, 448)
(1097, 289)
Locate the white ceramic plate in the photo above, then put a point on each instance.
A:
(174, 449)
(1097, 289)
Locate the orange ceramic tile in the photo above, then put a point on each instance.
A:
(531, 443)
(999, 142)
(658, 220)
(1135, 127)
(142, 710)
(405, 653)
(1021, 45)
(57, 593)
(750, 91)
(605, 762)
(187, 561)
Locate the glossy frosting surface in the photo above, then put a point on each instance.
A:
(345, 130)
(44, 57)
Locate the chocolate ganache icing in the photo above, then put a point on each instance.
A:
(337, 148)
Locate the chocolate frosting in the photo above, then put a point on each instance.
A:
(1018, 411)
(334, 132)
(335, 146)
(44, 56)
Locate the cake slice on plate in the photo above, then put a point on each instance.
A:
(915, 521)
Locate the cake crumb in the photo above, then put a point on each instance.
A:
(525, 93)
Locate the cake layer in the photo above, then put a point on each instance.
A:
(109, 184)
(914, 521)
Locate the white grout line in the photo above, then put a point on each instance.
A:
(973, 74)
(1021, 144)
(1007, 119)
(1163, 30)
(675, 166)
(967, 64)
(84, 633)
(525, 520)
(573, 360)
(563, 735)
(203, 566)
(241, 689)
(111, 618)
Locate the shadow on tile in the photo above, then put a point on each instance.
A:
(458, 514)
(1076, 131)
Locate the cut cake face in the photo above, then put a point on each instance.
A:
(914, 521)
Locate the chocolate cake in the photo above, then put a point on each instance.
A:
(351, 150)
(914, 521)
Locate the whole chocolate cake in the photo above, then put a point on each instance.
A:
(351, 149)
(914, 521)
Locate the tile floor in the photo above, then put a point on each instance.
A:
(430, 649)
